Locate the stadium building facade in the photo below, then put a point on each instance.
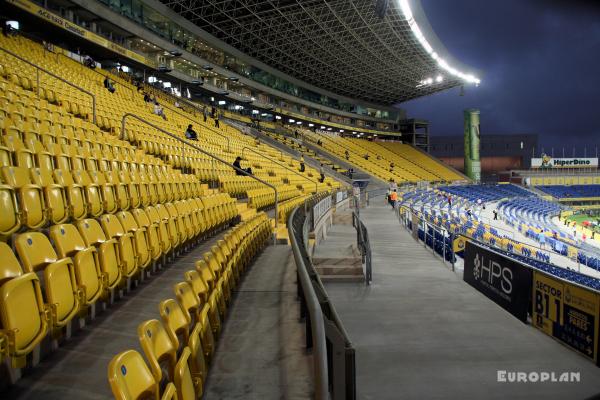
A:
(499, 152)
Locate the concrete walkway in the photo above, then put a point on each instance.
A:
(261, 352)
(422, 333)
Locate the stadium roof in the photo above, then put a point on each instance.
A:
(348, 47)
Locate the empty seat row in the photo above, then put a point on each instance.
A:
(76, 265)
(179, 347)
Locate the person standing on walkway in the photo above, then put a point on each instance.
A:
(302, 167)
(217, 120)
(495, 215)
(322, 172)
(394, 198)
(542, 239)
(205, 113)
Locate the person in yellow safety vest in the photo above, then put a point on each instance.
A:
(394, 198)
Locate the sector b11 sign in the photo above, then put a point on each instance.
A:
(566, 312)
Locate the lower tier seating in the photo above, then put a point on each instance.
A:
(179, 347)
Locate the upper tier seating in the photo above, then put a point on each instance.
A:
(409, 164)
(33, 138)
(573, 191)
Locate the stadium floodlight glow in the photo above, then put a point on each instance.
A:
(255, 111)
(341, 130)
(328, 129)
(405, 7)
(439, 79)
(151, 79)
(278, 117)
(299, 123)
(221, 102)
(167, 84)
(292, 121)
(263, 114)
(311, 125)
(322, 127)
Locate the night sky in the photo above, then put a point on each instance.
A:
(540, 63)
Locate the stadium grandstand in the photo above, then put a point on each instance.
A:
(226, 200)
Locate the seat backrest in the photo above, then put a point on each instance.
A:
(112, 226)
(130, 377)
(127, 221)
(184, 384)
(16, 176)
(187, 299)
(9, 267)
(198, 285)
(67, 239)
(35, 251)
(91, 231)
(21, 304)
(159, 349)
(176, 322)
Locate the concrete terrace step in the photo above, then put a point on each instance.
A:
(342, 278)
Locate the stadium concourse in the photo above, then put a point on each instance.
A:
(171, 171)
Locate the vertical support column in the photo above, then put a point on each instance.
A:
(472, 145)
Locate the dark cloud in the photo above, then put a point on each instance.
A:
(539, 61)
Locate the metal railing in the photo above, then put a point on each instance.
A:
(212, 156)
(364, 245)
(334, 354)
(280, 164)
(37, 72)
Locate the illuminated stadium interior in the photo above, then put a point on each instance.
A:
(230, 200)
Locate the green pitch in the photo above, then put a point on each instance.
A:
(580, 218)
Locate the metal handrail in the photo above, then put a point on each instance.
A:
(125, 116)
(212, 130)
(317, 324)
(362, 239)
(278, 163)
(38, 69)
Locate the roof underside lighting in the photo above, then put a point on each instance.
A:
(421, 38)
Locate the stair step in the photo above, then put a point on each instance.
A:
(343, 270)
(342, 278)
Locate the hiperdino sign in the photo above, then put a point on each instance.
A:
(549, 162)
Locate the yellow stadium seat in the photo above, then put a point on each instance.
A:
(188, 387)
(54, 195)
(30, 196)
(22, 312)
(160, 351)
(60, 286)
(128, 259)
(130, 379)
(140, 235)
(75, 194)
(175, 321)
(107, 251)
(10, 214)
(69, 243)
(151, 231)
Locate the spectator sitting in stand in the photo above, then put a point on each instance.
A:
(158, 110)
(109, 85)
(89, 62)
(191, 133)
(238, 164)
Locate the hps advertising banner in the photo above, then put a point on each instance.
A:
(500, 278)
